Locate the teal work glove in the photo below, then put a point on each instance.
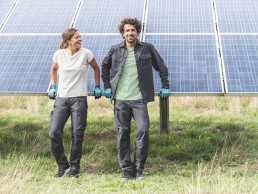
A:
(52, 92)
(97, 92)
(165, 93)
(108, 93)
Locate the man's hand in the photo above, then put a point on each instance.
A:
(108, 93)
(165, 93)
(97, 92)
(52, 92)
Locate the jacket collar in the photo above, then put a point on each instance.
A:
(122, 44)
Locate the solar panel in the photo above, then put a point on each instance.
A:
(192, 62)
(238, 16)
(240, 54)
(4, 9)
(26, 62)
(25, 65)
(182, 31)
(99, 45)
(103, 16)
(177, 16)
(45, 16)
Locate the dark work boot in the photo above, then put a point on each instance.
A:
(126, 176)
(74, 173)
(139, 176)
(62, 172)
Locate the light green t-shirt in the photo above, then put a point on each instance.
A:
(128, 84)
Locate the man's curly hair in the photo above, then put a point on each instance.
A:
(132, 21)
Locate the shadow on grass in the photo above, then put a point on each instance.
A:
(25, 137)
(188, 142)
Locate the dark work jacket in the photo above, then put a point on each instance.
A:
(146, 57)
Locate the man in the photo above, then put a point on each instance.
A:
(127, 77)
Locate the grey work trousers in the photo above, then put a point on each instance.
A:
(124, 111)
(63, 108)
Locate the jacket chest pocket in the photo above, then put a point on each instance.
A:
(145, 61)
(116, 62)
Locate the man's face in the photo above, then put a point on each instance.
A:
(130, 34)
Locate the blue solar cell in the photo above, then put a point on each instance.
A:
(240, 54)
(30, 16)
(100, 46)
(4, 9)
(238, 16)
(103, 16)
(192, 62)
(25, 65)
(26, 62)
(177, 16)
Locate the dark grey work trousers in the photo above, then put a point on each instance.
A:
(63, 108)
(124, 111)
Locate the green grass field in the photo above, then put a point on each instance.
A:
(212, 148)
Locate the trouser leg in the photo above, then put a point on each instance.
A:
(123, 117)
(79, 108)
(59, 116)
(141, 117)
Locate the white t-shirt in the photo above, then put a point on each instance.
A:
(73, 72)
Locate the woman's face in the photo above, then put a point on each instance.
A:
(75, 41)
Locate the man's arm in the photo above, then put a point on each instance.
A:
(106, 66)
(160, 66)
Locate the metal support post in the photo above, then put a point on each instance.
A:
(164, 114)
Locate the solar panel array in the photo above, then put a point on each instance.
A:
(26, 62)
(201, 58)
(240, 53)
(238, 31)
(193, 63)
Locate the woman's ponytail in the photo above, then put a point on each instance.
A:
(63, 45)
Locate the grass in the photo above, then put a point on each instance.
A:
(212, 148)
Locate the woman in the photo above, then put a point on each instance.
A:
(72, 62)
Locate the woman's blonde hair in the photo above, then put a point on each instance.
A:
(67, 35)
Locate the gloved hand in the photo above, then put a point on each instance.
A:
(165, 93)
(97, 92)
(108, 93)
(52, 92)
